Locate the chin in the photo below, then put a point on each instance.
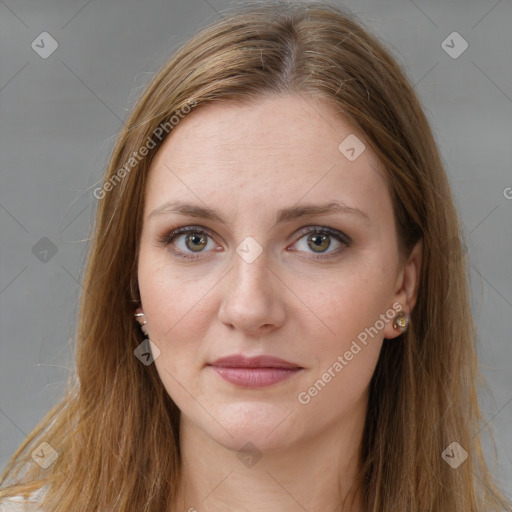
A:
(254, 440)
(267, 428)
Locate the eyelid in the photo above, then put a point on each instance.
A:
(315, 228)
(181, 230)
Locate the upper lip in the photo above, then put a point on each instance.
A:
(240, 361)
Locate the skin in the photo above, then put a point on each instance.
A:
(247, 162)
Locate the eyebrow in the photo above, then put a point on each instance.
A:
(283, 215)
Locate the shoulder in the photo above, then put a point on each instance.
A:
(21, 504)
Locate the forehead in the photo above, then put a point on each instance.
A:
(278, 151)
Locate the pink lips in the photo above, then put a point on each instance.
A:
(254, 372)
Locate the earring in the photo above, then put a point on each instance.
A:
(401, 321)
(142, 322)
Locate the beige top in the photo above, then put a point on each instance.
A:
(20, 504)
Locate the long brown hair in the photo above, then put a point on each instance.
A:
(116, 431)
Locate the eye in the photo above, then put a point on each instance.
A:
(190, 241)
(318, 239)
(193, 239)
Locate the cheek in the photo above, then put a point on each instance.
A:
(345, 304)
(346, 326)
(345, 361)
(174, 298)
(175, 305)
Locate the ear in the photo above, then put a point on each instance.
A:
(406, 287)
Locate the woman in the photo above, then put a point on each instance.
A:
(276, 218)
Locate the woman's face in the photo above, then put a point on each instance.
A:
(252, 278)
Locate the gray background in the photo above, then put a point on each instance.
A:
(59, 117)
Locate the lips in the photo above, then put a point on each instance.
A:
(240, 361)
(254, 372)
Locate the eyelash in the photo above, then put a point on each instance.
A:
(166, 239)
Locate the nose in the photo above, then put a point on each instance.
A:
(253, 297)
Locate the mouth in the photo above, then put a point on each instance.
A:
(254, 372)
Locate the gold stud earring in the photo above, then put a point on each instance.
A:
(401, 321)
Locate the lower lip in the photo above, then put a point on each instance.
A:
(255, 377)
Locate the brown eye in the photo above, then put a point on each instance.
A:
(189, 242)
(196, 242)
(186, 242)
(319, 243)
(318, 239)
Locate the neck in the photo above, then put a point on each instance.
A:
(318, 473)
